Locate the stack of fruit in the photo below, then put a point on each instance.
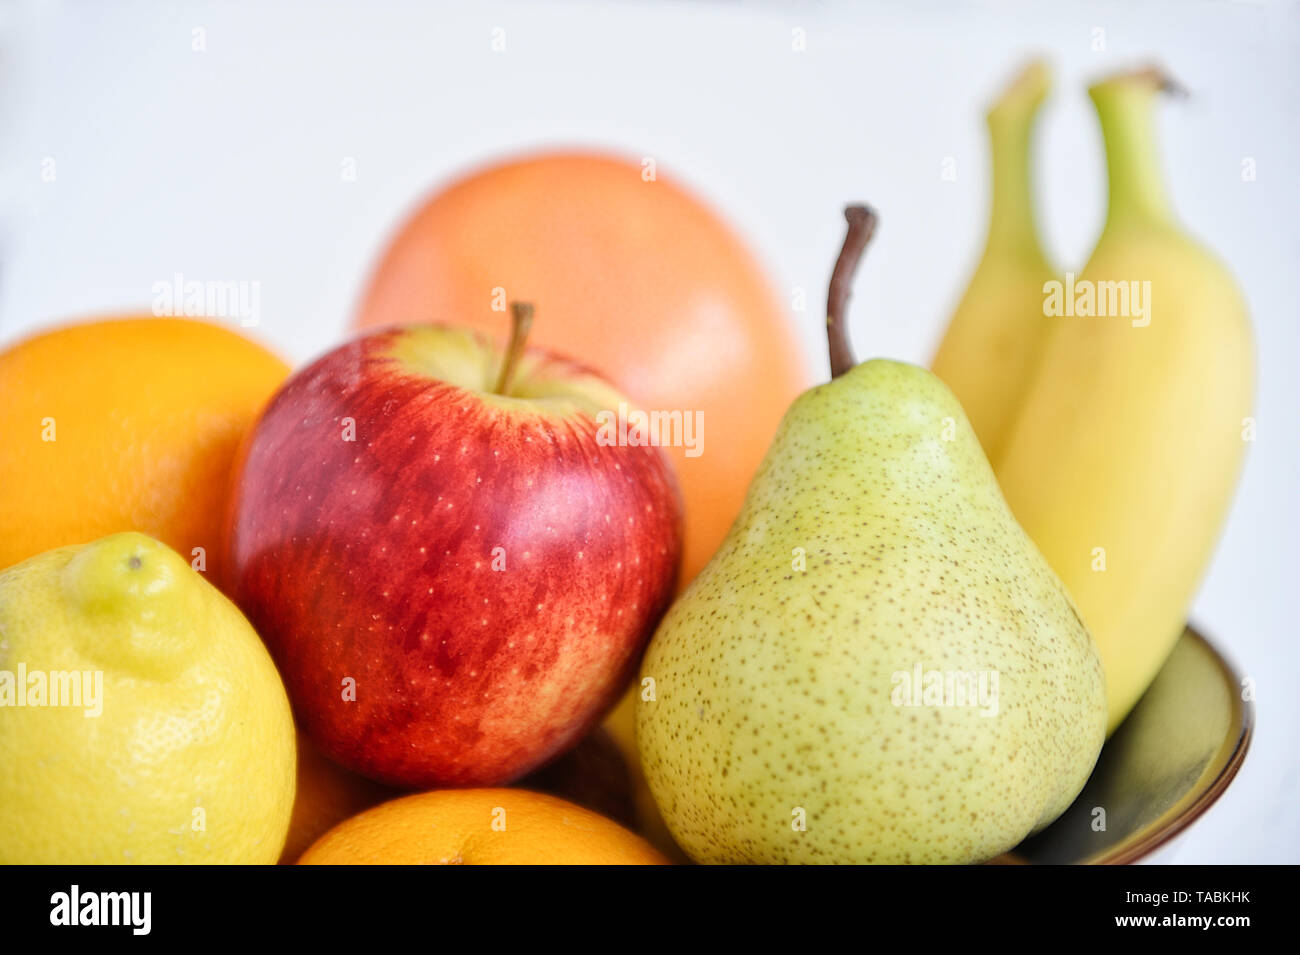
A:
(374, 610)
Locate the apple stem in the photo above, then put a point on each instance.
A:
(521, 320)
(862, 224)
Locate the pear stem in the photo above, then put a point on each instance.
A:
(521, 321)
(862, 225)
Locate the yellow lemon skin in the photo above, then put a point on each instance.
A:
(178, 744)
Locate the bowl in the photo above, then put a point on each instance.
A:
(1170, 759)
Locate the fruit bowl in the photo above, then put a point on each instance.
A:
(1166, 764)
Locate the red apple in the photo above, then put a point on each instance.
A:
(453, 566)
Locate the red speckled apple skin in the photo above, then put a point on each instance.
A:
(487, 575)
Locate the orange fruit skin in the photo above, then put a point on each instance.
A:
(456, 827)
(326, 795)
(637, 279)
(147, 414)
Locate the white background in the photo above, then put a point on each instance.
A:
(225, 164)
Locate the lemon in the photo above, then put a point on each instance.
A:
(141, 718)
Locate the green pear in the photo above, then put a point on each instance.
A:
(877, 666)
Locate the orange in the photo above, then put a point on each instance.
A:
(480, 827)
(125, 425)
(635, 278)
(326, 795)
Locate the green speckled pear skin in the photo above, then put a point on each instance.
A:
(774, 735)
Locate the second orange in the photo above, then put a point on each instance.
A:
(629, 274)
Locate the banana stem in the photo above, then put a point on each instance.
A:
(862, 225)
(1125, 108)
(521, 320)
(1011, 123)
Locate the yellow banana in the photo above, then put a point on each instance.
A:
(997, 333)
(1122, 462)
